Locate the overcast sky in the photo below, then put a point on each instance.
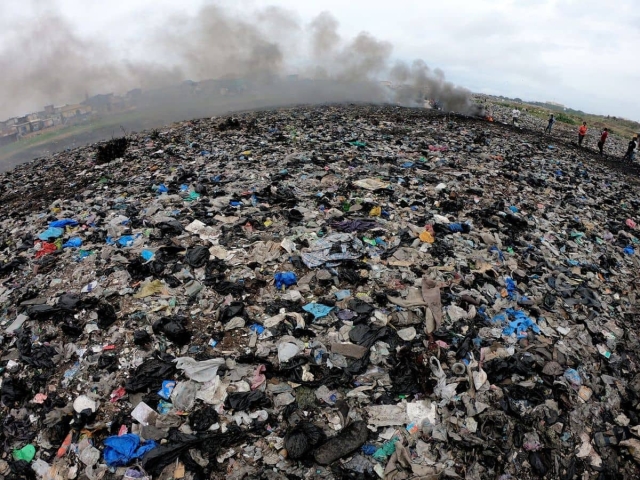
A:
(582, 53)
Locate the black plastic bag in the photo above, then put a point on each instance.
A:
(303, 438)
(38, 356)
(68, 301)
(201, 420)
(198, 256)
(179, 444)
(246, 400)
(106, 315)
(141, 337)
(174, 329)
(168, 254)
(171, 227)
(348, 440)
(21, 470)
(109, 151)
(234, 309)
(42, 312)
(151, 374)
(71, 330)
(108, 362)
(14, 390)
(9, 267)
(366, 336)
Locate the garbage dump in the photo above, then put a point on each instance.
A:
(321, 292)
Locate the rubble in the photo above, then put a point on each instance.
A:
(346, 291)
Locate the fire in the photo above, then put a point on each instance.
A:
(488, 118)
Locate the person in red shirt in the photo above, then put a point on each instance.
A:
(603, 138)
(582, 133)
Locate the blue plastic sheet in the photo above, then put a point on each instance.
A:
(119, 451)
(342, 294)
(318, 310)
(498, 251)
(511, 287)
(573, 377)
(167, 388)
(164, 407)
(519, 324)
(162, 188)
(65, 222)
(51, 232)
(74, 242)
(259, 329)
(147, 255)
(369, 449)
(124, 241)
(285, 279)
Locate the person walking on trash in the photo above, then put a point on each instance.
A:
(582, 132)
(603, 138)
(552, 120)
(631, 150)
(516, 116)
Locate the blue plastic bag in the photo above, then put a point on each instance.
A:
(147, 255)
(520, 324)
(285, 279)
(65, 222)
(573, 377)
(342, 294)
(162, 188)
(119, 451)
(167, 388)
(259, 329)
(126, 240)
(74, 242)
(511, 287)
(629, 250)
(51, 232)
(318, 310)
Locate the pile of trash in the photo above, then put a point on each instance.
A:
(320, 292)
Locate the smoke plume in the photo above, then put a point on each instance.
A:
(46, 61)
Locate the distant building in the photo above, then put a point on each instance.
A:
(68, 112)
(100, 103)
(8, 138)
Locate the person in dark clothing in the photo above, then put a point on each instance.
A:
(631, 150)
(603, 138)
(552, 120)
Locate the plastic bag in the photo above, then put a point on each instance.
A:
(201, 420)
(173, 328)
(106, 315)
(121, 450)
(198, 256)
(202, 372)
(285, 279)
(246, 400)
(303, 438)
(348, 440)
(151, 374)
